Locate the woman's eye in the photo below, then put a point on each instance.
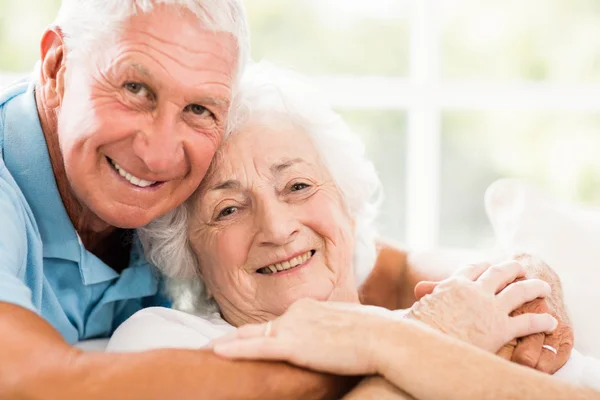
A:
(298, 186)
(227, 211)
(197, 109)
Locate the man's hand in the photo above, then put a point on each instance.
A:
(535, 351)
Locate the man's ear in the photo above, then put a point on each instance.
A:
(53, 67)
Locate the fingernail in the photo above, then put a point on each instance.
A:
(554, 324)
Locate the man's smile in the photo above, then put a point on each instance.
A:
(134, 180)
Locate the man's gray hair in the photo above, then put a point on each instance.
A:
(86, 24)
(268, 94)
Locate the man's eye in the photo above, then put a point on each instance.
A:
(134, 87)
(298, 186)
(197, 110)
(139, 90)
(227, 211)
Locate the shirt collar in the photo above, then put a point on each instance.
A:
(26, 157)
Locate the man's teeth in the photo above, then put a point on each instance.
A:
(132, 179)
(294, 262)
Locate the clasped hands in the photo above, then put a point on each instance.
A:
(546, 352)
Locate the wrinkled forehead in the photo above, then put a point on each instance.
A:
(263, 145)
(172, 40)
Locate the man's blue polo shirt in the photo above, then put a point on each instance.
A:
(43, 265)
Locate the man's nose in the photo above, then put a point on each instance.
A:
(278, 224)
(160, 145)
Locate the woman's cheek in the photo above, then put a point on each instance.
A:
(232, 245)
(329, 218)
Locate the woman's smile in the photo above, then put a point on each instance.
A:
(289, 265)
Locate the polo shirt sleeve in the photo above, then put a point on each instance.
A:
(13, 245)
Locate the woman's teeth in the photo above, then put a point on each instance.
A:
(294, 262)
(132, 179)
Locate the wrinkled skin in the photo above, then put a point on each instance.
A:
(269, 198)
(154, 100)
(528, 350)
(476, 305)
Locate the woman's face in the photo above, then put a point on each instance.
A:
(269, 226)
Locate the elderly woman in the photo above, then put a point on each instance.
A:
(286, 213)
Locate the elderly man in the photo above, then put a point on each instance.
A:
(118, 126)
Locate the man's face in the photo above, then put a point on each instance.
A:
(140, 121)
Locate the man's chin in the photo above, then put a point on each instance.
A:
(128, 219)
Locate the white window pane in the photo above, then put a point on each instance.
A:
(325, 37)
(556, 150)
(384, 135)
(539, 40)
(22, 24)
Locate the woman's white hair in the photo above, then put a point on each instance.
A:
(88, 24)
(269, 94)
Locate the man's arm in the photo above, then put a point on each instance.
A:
(37, 363)
(376, 388)
(392, 281)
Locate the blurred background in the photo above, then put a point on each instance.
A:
(448, 95)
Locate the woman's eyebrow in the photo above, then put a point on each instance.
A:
(281, 166)
(230, 184)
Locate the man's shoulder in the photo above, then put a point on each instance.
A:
(7, 94)
(14, 89)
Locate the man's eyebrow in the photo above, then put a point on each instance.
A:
(141, 70)
(202, 100)
(230, 184)
(281, 166)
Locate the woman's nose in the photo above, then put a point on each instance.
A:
(278, 224)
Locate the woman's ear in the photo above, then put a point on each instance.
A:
(53, 67)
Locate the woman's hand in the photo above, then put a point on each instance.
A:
(475, 306)
(329, 337)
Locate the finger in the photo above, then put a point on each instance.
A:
(424, 288)
(473, 271)
(498, 276)
(259, 348)
(563, 343)
(518, 293)
(528, 324)
(547, 360)
(529, 350)
(243, 332)
(507, 350)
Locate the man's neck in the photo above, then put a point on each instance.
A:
(94, 232)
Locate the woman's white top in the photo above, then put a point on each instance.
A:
(158, 327)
